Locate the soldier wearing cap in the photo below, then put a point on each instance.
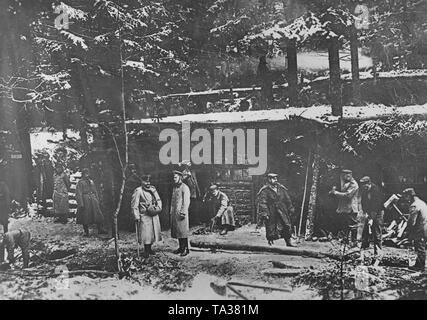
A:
(218, 206)
(133, 181)
(146, 206)
(61, 186)
(372, 206)
(180, 202)
(275, 209)
(88, 209)
(417, 226)
(348, 203)
(13, 239)
(190, 179)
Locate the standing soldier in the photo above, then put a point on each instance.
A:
(61, 185)
(133, 181)
(180, 228)
(189, 178)
(266, 80)
(88, 211)
(43, 179)
(146, 206)
(218, 206)
(4, 205)
(275, 209)
(10, 240)
(372, 206)
(348, 204)
(417, 226)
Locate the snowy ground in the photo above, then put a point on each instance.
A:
(164, 276)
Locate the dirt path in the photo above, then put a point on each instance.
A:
(164, 276)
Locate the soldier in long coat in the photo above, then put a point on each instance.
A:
(190, 179)
(417, 227)
(218, 206)
(349, 204)
(146, 206)
(180, 202)
(372, 201)
(88, 211)
(275, 209)
(43, 179)
(133, 181)
(4, 205)
(61, 185)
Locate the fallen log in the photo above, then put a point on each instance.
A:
(256, 286)
(283, 265)
(292, 251)
(282, 272)
(100, 272)
(24, 273)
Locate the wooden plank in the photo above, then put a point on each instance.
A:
(283, 265)
(282, 272)
(261, 248)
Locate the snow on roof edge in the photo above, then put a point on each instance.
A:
(320, 114)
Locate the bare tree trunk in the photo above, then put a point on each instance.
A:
(292, 72)
(123, 165)
(335, 77)
(354, 50)
(76, 86)
(305, 193)
(20, 53)
(309, 227)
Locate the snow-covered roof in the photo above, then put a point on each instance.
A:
(300, 30)
(395, 74)
(321, 114)
(399, 74)
(48, 140)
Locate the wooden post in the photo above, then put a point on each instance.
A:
(354, 50)
(305, 193)
(292, 72)
(335, 77)
(309, 226)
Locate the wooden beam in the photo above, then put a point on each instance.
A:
(292, 72)
(335, 77)
(309, 226)
(354, 51)
(292, 251)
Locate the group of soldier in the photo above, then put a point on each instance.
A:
(146, 206)
(361, 210)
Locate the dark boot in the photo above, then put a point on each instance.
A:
(224, 231)
(150, 251)
(185, 251)
(181, 247)
(146, 252)
(26, 257)
(86, 230)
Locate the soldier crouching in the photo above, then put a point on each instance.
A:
(14, 239)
